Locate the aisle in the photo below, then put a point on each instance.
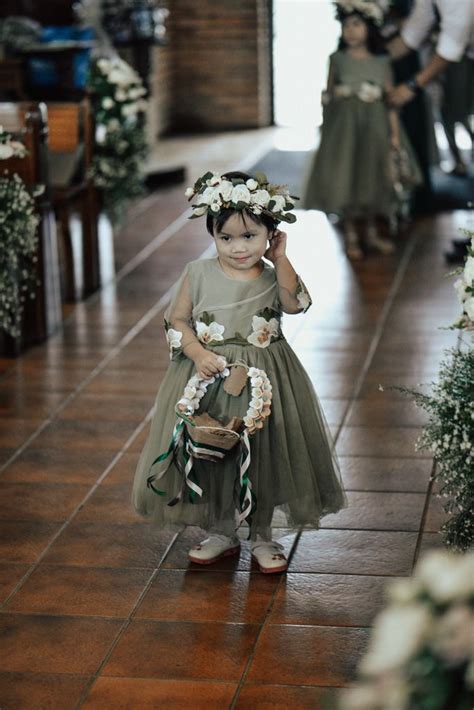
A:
(98, 610)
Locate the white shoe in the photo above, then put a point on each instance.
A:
(269, 557)
(375, 241)
(213, 548)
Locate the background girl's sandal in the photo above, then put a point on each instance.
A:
(269, 557)
(213, 549)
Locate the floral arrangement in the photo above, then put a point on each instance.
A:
(465, 289)
(216, 192)
(120, 144)
(19, 240)
(374, 10)
(421, 652)
(259, 406)
(449, 434)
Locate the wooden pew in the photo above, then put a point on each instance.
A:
(42, 316)
(70, 151)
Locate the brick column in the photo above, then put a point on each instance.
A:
(221, 71)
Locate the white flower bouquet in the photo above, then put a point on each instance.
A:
(421, 652)
(18, 239)
(120, 144)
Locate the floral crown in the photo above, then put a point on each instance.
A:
(373, 10)
(217, 192)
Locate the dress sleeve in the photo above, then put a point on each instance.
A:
(302, 296)
(178, 318)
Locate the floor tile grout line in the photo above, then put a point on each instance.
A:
(88, 687)
(79, 506)
(249, 662)
(380, 326)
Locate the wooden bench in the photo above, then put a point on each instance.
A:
(70, 151)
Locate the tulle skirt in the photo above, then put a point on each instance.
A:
(293, 468)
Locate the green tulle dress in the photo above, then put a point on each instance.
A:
(350, 174)
(293, 469)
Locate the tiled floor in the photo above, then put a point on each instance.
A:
(100, 611)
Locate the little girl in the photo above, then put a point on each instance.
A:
(350, 175)
(231, 368)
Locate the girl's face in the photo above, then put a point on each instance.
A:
(354, 31)
(241, 244)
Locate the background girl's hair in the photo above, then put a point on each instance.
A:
(375, 41)
(216, 223)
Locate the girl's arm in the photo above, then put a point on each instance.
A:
(393, 120)
(293, 295)
(331, 80)
(181, 335)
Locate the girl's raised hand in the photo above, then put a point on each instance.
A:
(277, 246)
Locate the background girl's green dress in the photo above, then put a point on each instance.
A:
(350, 173)
(293, 468)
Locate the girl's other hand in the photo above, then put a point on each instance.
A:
(277, 246)
(395, 141)
(208, 364)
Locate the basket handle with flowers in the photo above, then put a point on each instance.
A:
(201, 437)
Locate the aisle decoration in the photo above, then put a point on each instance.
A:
(120, 144)
(421, 651)
(19, 240)
(202, 437)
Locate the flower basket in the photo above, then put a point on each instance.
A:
(212, 439)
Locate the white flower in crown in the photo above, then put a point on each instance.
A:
(263, 331)
(261, 197)
(212, 333)
(280, 203)
(225, 190)
(240, 193)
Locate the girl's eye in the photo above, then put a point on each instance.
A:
(248, 236)
(225, 239)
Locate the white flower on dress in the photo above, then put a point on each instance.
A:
(304, 300)
(189, 192)
(263, 331)
(174, 338)
(469, 307)
(460, 288)
(212, 333)
(369, 92)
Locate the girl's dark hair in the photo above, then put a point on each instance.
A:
(375, 41)
(216, 223)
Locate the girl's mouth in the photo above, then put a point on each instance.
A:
(241, 258)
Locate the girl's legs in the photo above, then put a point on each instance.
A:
(375, 241)
(351, 240)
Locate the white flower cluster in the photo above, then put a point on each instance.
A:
(372, 9)
(10, 148)
(259, 405)
(127, 90)
(216, 192)
(367, 92)
(464, 287)
(430, 623)
(19, 240)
